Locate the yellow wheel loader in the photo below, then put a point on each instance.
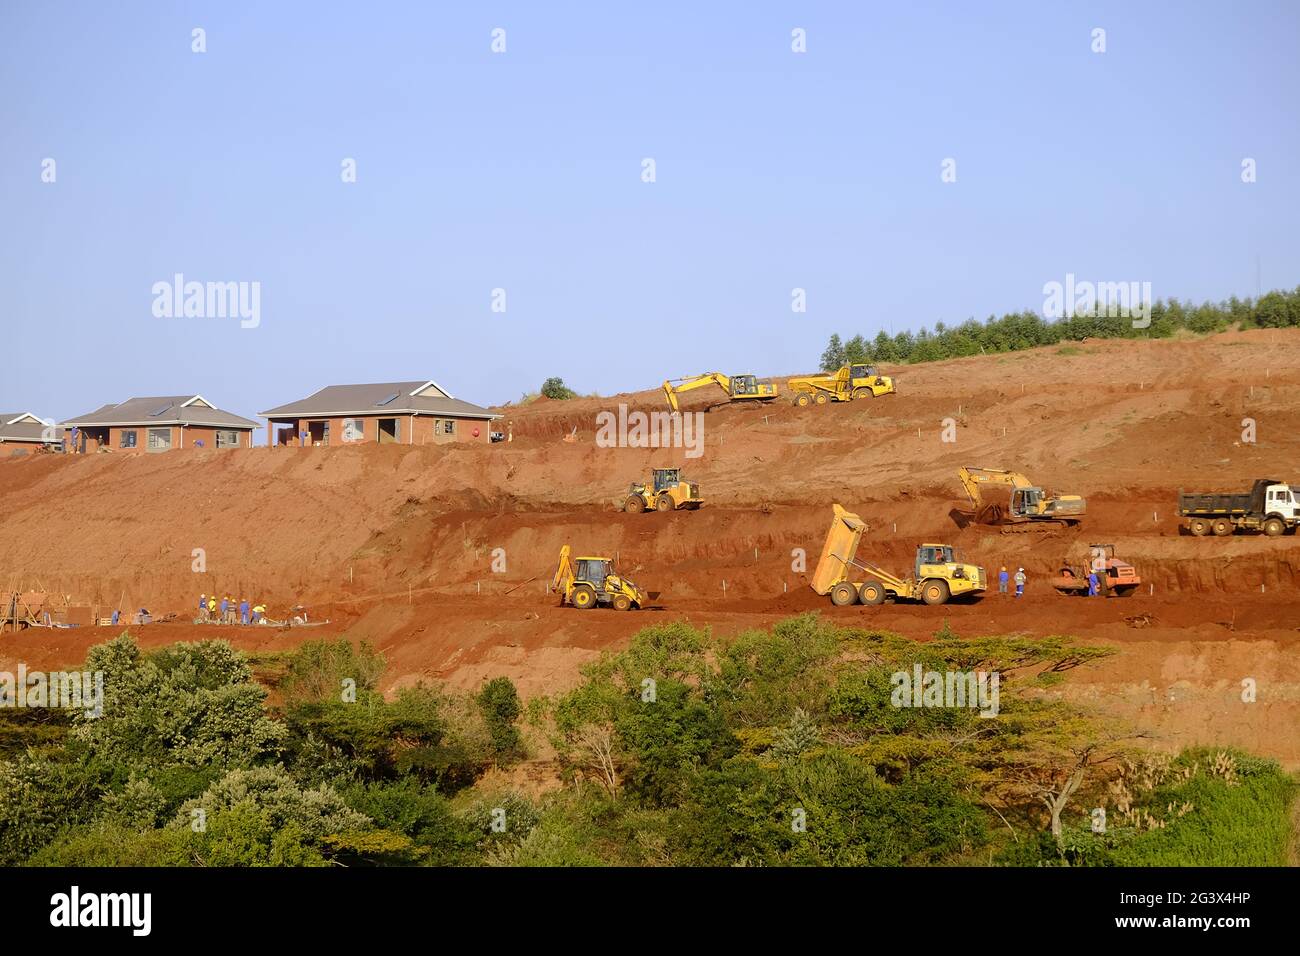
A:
(665, 491)
(586, 582)
(936, 577)
(738, 387)
(849, 383)
(1026, 505)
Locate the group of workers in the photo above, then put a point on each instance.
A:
(1004, 577)
(226, 611)
(1094, 582)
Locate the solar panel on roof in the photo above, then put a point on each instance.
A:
(385, 401)
(159, 411)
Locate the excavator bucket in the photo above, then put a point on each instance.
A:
(839, 550)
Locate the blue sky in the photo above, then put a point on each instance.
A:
(522, 171)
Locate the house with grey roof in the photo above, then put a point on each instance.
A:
(405, 413)
(23, 431)
(158, 423)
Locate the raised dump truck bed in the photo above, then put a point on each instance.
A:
(936, 578)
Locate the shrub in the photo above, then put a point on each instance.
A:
(555, 388)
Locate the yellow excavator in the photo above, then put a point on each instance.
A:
(936, 577)
(737, 387)
(849, 383)
(586, 582)
(1026, 505)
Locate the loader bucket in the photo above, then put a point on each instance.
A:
(839, 550)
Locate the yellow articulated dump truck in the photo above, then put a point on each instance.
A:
(936, 576)
(586, 582)
(849, 383)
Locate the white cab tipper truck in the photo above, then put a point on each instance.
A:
(1271, 506)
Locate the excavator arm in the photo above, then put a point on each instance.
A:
(973, 478)
(674, 386)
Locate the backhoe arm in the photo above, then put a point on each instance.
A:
(564, 572)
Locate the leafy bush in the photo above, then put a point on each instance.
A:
(499, 703)
(262, 817)
(318, 671)
(189, 704)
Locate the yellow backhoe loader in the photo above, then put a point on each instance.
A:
(936, 576)
(665, 491)
(586, 582)
(737, 387)
(849, 383)
(1027, 504)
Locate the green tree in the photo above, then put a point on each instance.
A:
(188, 704)
(498, 701)
(856, 351)
(833, 357)
(554, 387)
(325, 670)
(262, 817)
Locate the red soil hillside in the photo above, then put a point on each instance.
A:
(395, 544)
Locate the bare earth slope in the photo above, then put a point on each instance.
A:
(395, 544)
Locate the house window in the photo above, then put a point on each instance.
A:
(228, 438)
(160, 439)
(448, 427)
(127, 439)
(354, 429)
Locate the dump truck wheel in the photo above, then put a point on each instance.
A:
(803, 400)
(863, 392)
(1199, 527)
(634, 505)
(844, 594)
(872, 592)
(1274, 527)
(934, 592)
(583, 597)
(1125, 591)
(821, 398)
(1222, 527)
(664, 503)
(622, 602)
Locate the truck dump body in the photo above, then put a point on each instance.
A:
(1214, 503)
(839, 550)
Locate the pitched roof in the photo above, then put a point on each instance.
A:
(24, 426)
(162, 410)
(380, 398)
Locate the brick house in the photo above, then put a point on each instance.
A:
(405, 413)
(158, 423)
(23, 431)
